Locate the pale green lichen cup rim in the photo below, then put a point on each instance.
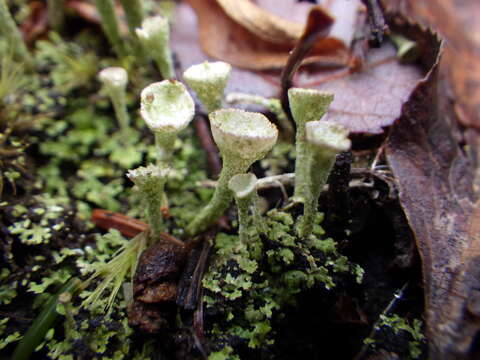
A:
(152, 26)
(243, 185)
(166, 106)
(246, 134)
(113, 76)
(328, 135)
(308, 104)
(207, 72)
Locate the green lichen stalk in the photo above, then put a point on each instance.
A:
(209, 80)
(10, 31)
(306, 105)
(155, 38)
(106, 9)
(222, 197)
(243, 187)
(165, 144)
(325, 140)
(114, 80)
(242, 138)
(134, 13)
(151, 181)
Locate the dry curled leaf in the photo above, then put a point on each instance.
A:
(435, 180)
(458, 22)
(368, 101)
(253, 38)
(186, 45)
(265, 25)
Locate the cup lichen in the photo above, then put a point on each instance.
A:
(167, 108)
(208, 80)
(244, 188)
(155, 38)
(106, 10)
(306, 105)
(325, 140)
(114, 81)
(134, 13)
(151, 181)
(242, 138)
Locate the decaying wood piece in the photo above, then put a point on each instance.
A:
(435, 179)
(155, 287)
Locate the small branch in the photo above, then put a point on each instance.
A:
(127, 225)
(198, 328)
(206, 140)
(287, 179)
(190, 295)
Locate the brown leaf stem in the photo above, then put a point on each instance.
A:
(206, 141)
(318, 26)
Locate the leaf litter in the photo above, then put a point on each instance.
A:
(433, 172)
(437, 175)
(434, 175)
(366, 101)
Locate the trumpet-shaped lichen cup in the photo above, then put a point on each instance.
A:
(306, 105)
(325, 139)
(114, 80)
(242, 138)
(154, 34)
(167, 108)
(208, 80)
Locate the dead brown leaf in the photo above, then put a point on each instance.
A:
(435, 179)
(458, 22)
(267, 26)
(36, 24)
(369, 100)
(186, 45)
(365, 102)
(241, 33)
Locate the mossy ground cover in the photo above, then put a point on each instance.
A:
(276, 297)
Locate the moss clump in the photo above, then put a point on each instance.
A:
(249, 286)
(401, 326)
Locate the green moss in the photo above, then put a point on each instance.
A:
(398, 324)
(8, 290)
(225, 354)
(4, 341)
(73, 67)
(35, 233)
(251, 292)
